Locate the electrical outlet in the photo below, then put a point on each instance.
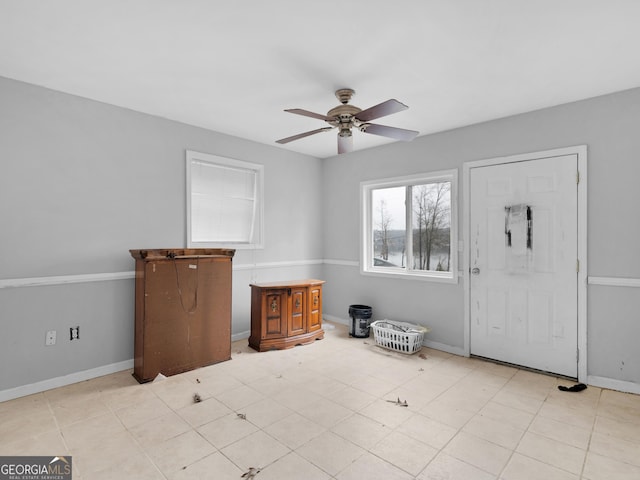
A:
(50, 338)
(74, 333)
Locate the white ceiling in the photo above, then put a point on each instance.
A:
(234, 66)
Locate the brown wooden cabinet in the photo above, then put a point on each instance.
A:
(285, 314)
(182, 310)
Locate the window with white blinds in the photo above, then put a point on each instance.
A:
(224, 202)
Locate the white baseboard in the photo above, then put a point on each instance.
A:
(333, 319)
(56, 382)
(24, 390)
(613, 384)
(427, 343)
(443, 347)
(44, 385)
(240, 336)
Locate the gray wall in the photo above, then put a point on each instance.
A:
(608, 125)
(83, 182)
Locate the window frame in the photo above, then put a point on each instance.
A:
(366, 227)
(257, 241)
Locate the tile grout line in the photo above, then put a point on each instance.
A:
(557, 413)
(593, 427)
(515, 449)
(460, 429)
(137, 442)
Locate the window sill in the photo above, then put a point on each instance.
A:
(451, 278)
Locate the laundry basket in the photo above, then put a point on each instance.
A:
(399, 336)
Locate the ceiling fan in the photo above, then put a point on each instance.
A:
(344, 117)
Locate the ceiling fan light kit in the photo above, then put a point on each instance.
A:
(344, 117)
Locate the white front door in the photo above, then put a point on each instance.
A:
(523, 255)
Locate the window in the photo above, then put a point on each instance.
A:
(409, 226)
(224, 202)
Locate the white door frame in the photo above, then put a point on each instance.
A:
(581, 152)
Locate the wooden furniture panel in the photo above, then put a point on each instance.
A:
(182, 310)
(297, 319)
(275, 308)
(315, 310)
(285, 314)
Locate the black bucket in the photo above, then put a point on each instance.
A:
(360, 317)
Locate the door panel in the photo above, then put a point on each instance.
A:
(297, 319)
(315, 309)
(275, 318)
(523, 253)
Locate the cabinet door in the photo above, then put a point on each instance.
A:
(274, 316)
(298, 317)
(315, 308)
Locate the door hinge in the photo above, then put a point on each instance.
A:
(577, 265)
(578, 176)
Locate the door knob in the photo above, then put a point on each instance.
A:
(475, 271)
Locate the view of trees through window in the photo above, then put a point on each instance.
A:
(425, 243)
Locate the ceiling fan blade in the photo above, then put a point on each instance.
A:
(302, 135)
(345, 144)
(307, 113)
(381, 110)
(391, 132)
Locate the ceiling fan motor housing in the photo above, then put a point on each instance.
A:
(343, 111)
(344, 117)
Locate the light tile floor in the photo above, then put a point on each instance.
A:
(326, 411)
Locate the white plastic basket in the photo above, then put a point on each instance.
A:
(399, 336)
